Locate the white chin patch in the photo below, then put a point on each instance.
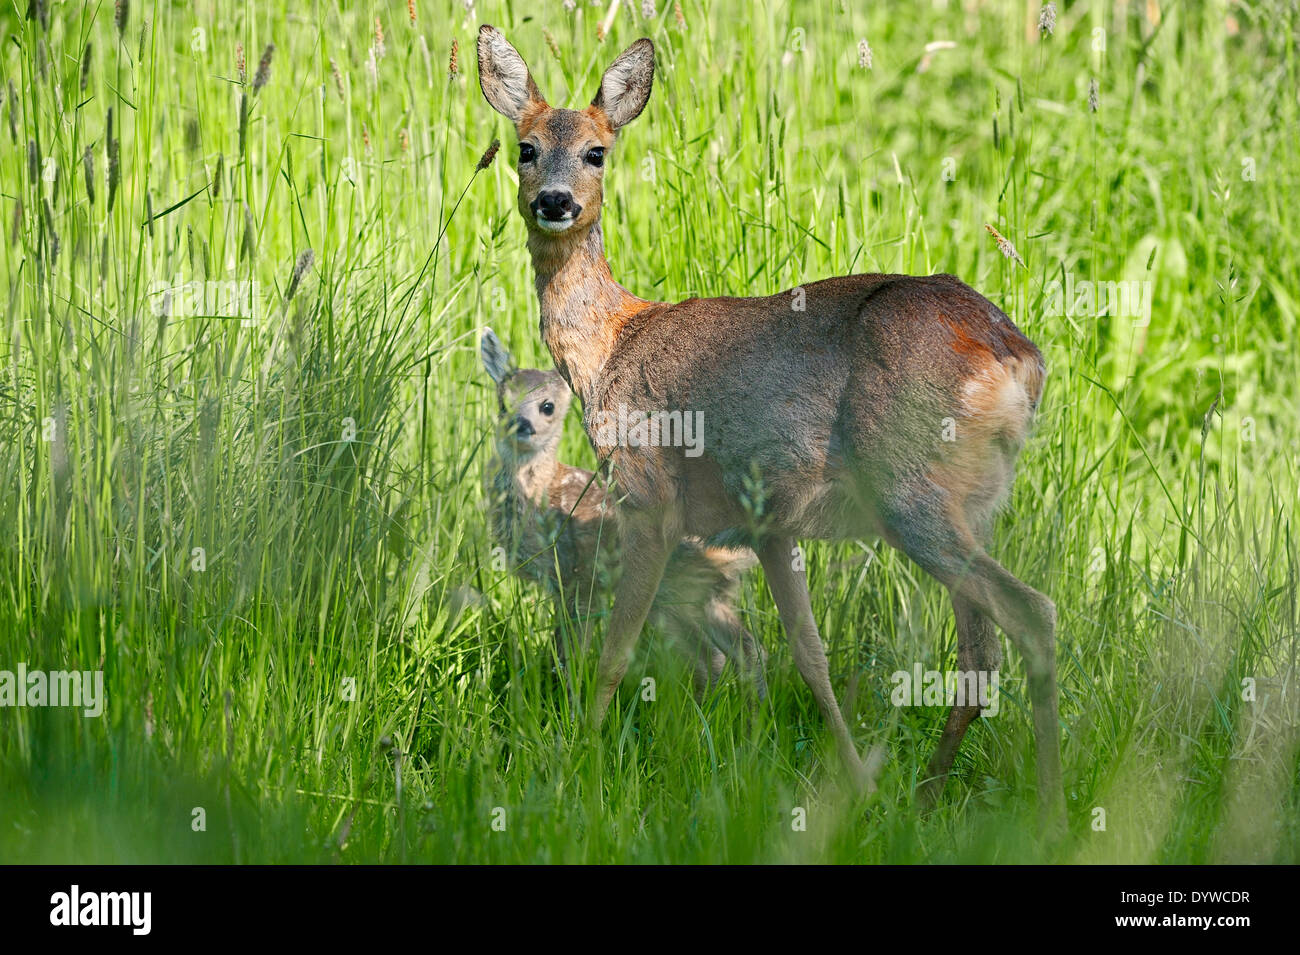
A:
(550, 225)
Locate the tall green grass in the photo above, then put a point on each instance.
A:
(269, 534)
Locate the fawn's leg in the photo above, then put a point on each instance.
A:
(567, 624)
(645, 547)
(755, 660)
(790, 591)
(561, 639)
(737, 643)
(978, 650)
(709, 663)
(717, 661)
(570, 622)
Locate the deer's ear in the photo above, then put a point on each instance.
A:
(495, 357)
(503, 75)
(625, 87)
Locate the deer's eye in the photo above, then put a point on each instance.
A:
(596, 156)
(527, 152)
(548, 408)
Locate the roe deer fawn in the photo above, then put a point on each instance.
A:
(551, 519)
(842, 408)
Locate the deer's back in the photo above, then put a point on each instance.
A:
(855, 376)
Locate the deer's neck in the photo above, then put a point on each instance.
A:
(583, 308)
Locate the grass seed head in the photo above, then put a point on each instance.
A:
(1094, 95)
(39, 10)
(55, 244)
(248, 244)
(1047, 20)
(113, 171)
(488, 155)
(88, 164)
(372, 71)
(679, 16)
(338, 79)
(299, 269)
(85, 68)
(1005, 246)
(864, 54)
(264, 68)
(453, 64)
(121, 13)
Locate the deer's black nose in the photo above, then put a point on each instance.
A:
(523, 427)
(556, 204)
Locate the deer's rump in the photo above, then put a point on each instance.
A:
(839, 396)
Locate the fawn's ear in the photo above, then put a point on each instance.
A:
(503, 75)
(495, 357)
(625, 87)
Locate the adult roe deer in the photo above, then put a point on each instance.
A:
(841, 408)
(559, 529)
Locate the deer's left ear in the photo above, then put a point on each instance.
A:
(625, 87)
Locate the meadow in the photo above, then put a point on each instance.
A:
(248, 253)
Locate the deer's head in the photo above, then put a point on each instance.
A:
(562, 152)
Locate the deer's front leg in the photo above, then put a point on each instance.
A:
(790, 591)
(645, 547)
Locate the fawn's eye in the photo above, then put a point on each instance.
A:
(548, 408)
(596, 156)
(527, 152)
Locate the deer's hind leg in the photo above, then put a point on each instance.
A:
(978, 651)
(936, 536)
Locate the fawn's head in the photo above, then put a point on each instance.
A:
(562, 151)
(531, 404)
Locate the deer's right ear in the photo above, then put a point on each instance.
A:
(495, 357)
(503, 76)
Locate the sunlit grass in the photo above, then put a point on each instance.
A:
(235, 519)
